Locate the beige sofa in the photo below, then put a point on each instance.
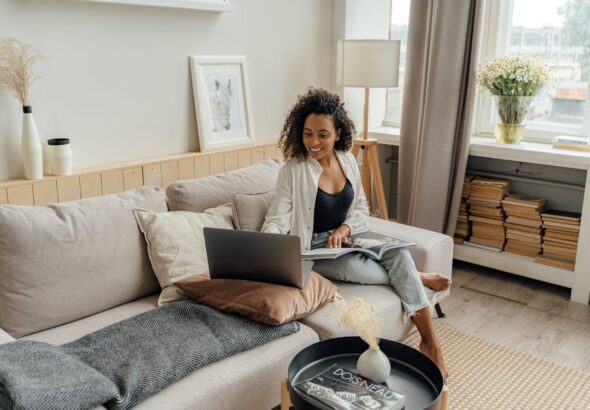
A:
(69, 269)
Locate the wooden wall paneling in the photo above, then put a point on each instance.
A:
(20, 195)
(112, 182)
(152, 174)
(231, 160)
(169, 173)
(132, 178)
(216, 163)
(270, 151)
(90, 185)
(68, 189)
(244, 158)
(202, 168)
(45, 192)
(186, 168)
(3, 196)
(257, 155)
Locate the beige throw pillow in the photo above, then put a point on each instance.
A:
(176, 245)
(249, 210)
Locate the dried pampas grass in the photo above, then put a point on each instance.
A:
(16, 67)
(360, 317)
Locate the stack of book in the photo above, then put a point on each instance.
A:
(523, 224)
(560, 240)
(569, 142)
(463, 228)
(485, 212)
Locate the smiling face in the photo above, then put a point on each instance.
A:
(319, 136)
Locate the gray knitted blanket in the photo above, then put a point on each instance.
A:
(124, 363)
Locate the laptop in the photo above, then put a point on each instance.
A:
(257, 256)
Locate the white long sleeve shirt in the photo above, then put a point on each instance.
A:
(292, 208)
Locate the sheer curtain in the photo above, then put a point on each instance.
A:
(438, 101)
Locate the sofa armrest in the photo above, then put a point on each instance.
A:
(434, 252)
(5, 337)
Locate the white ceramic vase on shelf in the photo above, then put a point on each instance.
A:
(30, 146)
(374, 364)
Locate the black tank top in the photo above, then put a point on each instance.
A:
(331, 209)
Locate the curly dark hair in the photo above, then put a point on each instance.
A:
(314, 101)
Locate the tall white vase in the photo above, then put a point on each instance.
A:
(30, 146)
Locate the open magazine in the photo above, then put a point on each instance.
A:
(338, 388)
(372, 244)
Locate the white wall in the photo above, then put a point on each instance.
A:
(117, 81)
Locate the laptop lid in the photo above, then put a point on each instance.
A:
(257, 256)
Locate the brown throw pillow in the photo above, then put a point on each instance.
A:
(262, 302)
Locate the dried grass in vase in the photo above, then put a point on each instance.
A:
(16, 67)
(360, 317)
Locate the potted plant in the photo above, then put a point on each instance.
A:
(513, 81)
(16, 75)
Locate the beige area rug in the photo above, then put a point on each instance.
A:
(485, 375)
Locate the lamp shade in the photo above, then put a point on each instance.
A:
(368, 63)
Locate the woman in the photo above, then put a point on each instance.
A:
(319, 197)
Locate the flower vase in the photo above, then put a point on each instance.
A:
(511, 118)
(374, 364)
(30, 146)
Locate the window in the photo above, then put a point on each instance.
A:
(557, 33)
(400, 16)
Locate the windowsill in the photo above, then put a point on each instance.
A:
(534, 152)
(385, 135)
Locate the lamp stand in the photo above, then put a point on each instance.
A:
(370, 161)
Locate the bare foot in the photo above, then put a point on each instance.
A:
(432, 350)
(435, 281)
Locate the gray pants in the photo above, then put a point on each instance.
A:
(396, 269)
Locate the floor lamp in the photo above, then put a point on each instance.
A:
(369, 64)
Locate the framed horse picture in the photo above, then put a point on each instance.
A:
(222, 101)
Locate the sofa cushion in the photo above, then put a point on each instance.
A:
(247, 380)
(262, 302)
(176, 244)
(199, 194)
(69, 332)
(434, 252)
(5, 337)
(389, 309)
(65, 261)
(249, 210)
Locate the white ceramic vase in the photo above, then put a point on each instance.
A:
(374, 364)
(30, 146)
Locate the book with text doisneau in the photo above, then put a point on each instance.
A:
(372, 244)
(338, 388)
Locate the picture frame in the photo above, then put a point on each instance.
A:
(222, 101)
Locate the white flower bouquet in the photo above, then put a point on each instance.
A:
(514, 81)
(513, 76)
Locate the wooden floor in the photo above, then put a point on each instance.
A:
(520, 313)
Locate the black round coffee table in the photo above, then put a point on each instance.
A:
(412, 373)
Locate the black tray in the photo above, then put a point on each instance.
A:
(412, 373)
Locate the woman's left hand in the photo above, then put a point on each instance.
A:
(339, 237)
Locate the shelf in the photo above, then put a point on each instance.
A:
(517, 264)
(532, 152)
(205, 5)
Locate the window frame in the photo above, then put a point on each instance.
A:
(495, 41)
